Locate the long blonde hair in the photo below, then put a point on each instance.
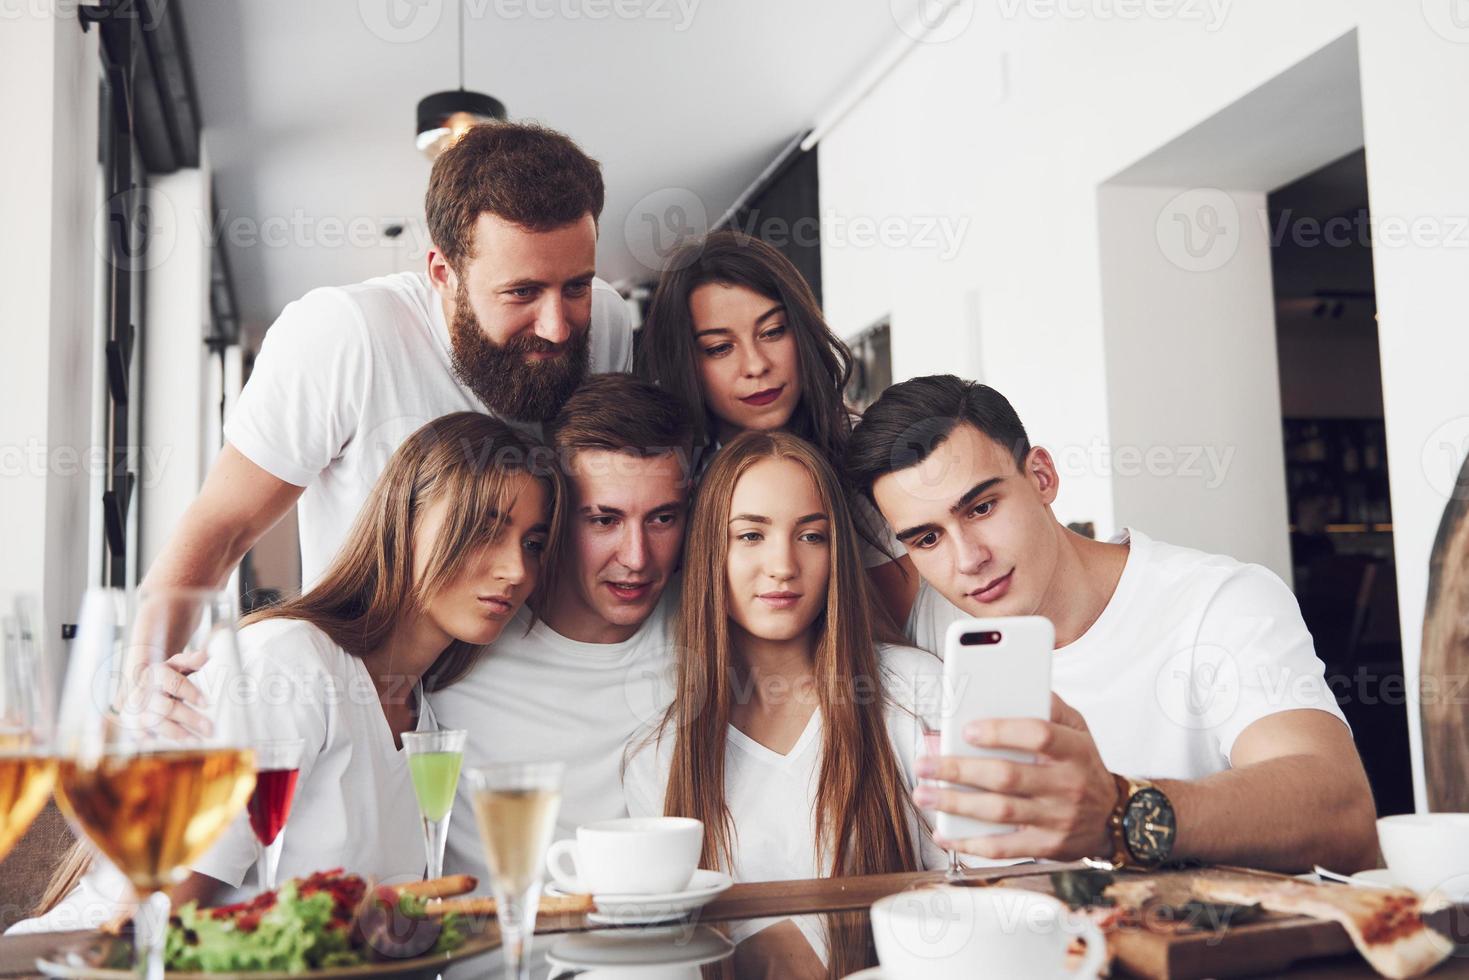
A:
(862, 807)
(469, 459)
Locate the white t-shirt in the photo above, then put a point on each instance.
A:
(347, 373)
(354, 808)
(771, 796)
(541, 697)
(1190, 651)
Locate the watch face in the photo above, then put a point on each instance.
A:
(1149, 825)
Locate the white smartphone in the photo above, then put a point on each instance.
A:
(993, 668)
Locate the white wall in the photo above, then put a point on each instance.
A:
(48, 175)
(1412, 80)
(1015, 120)
(1192, 385)
(180, 392)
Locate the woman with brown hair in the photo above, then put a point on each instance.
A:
(451, 542)
(736, 334)
(1445, 662)
(791, 734)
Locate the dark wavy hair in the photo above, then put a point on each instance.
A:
(667, 354)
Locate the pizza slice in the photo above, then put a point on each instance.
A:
(1386, 924)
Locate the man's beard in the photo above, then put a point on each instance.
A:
(510, 385)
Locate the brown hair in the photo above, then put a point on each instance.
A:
(529, 175)
(668, 355)
(1445, 660)
(467, 458)
(862, 805)
(621, 413)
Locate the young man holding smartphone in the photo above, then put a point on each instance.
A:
(1191, 718)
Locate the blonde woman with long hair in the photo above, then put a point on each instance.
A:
(791, 734)
(452, 540)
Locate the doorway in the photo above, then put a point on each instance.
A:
(1341, 531)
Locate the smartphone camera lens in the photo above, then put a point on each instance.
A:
(984, 639)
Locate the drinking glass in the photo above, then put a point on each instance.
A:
(27, 765)
(149, 795)
(928, 722)
(515, 805)
(434, 759)
(277, 767)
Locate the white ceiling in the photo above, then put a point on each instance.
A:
(308, 109)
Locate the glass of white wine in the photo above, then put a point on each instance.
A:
(150, 794)
(27, 762)
(515, 805)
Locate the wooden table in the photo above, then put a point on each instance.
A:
(847, 897)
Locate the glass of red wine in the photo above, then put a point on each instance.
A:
(278, 764)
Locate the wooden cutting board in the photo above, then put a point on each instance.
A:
(1164, 950)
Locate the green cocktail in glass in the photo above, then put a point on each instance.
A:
(435, 780)
(434, 759)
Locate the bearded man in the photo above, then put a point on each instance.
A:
(508, 319)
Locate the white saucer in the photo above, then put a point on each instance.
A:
(636, 910)
(643, 948)
(871, 973)
(1377, 876)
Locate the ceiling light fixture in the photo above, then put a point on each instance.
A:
(443, 117)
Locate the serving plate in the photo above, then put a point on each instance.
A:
(86, 959)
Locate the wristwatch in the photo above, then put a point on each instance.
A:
(1143, 824)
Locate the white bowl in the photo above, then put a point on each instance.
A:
(1428, 852)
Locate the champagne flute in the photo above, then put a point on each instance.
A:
(27, 765)
(928, 716)
(278, 766)
(515, 805)
(149, 794)
(434, 759)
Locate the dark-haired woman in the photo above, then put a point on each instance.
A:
(736, 333)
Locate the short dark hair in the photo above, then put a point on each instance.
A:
(620, 413)
(526, 174)
(913, 418)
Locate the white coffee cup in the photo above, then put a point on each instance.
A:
(948, 933)
(1428, 852)
(629, 856)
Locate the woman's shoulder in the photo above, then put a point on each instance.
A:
(907, 671)
(908, 661)
(293, 644)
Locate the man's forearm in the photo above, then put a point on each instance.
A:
(196, 556)
(1285, 814)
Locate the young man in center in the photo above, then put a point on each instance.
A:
(574, 680)
(1190, 719)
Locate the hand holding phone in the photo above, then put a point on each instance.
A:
(993, 668)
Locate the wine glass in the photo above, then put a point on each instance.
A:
(434, 759)
(515, 805)
(928, 726)
(27, 765)
(149, 795)
(277, 767)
